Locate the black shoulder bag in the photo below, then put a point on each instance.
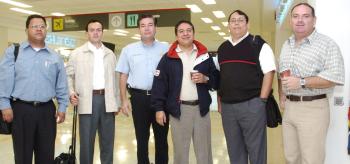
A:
(273, 114)
(6, 128)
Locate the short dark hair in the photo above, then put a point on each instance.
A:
(239, 12)
(30, 17)
(93, 21)
(183, 21)
(143, 16)
(304, 4)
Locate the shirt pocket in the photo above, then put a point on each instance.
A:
(137, 60)
(49, 68)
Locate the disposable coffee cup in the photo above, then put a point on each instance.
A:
(285, 73)
(192, 72)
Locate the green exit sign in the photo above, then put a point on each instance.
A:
(131, 20)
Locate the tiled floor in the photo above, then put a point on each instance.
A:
(125, 143)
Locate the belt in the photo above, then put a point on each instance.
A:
(305, 98)
(98, 92)
(145, 92)
(193, 102)
(34, 103)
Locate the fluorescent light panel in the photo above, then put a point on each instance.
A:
(215, 28)
(209, 2)
(17, 4)
(224, 23)
(226, 37)
(136, 38)
(194, 8)
(24, 11)
(121, 31)
(57, 14)
(207, 20)
(219, 14)
(221, 33)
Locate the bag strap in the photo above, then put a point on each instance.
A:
(16, 50)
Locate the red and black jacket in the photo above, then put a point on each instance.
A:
(168, 79)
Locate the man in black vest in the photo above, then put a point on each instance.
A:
(247, 67)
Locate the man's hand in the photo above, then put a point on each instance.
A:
(125, 108)
(7, 115)
(60, 117)
(160, 118)
(74, 99)
(283, 99)
(291, 83)
(199, 78)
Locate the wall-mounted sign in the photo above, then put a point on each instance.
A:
(58, 40)
(128, 19)
(165, 18)
(116, 21)
(77, 22)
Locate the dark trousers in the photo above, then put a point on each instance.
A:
(143, 116)
(104, 124)
(34, 129)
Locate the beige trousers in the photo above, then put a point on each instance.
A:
(191, 126)
(304, 129)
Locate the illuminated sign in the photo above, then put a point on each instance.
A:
(59, 40)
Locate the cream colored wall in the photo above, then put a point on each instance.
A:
(3, 40)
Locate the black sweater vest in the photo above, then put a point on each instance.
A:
(240, 71)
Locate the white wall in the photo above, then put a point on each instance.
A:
(333, 20)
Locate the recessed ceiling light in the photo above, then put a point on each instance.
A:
(221, 33)
(226, 37)
(58, 14)
(121, 31)
(14, 3)
(209, 2)
(194, 8)
(24, 11)
(216, 28)
(207, 20)
(219, 14)
(224, 23)
(136, 38)
(137, 35)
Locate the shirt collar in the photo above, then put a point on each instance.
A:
(93, 48)
(239, 40)
(309, 39)
(178, 49)
(26, 44)
(145, 45)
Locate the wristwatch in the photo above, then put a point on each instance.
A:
(302, 83)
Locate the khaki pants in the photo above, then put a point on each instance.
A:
(191, 126)
(304, 128)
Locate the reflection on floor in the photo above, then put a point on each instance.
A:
(125, 143)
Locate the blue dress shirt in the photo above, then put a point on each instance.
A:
(140, 61)
(35, 76)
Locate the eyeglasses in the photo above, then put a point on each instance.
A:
(241, 20)
(38, 27)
